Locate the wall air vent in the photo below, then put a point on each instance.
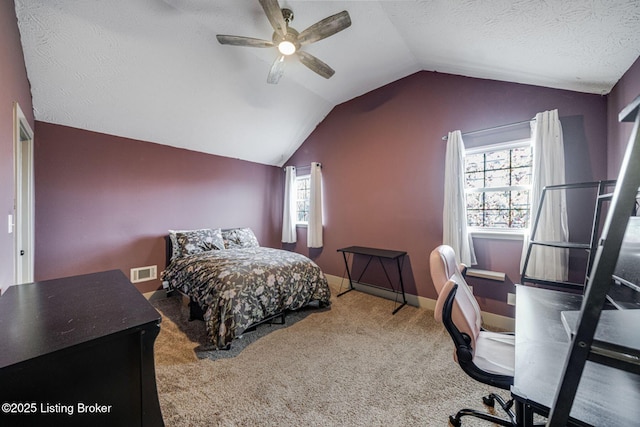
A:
(143, 274)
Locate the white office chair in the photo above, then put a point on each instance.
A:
(485, 356)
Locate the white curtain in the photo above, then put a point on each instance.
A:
(289, 209)
(454, 215)
(314, 228)
(548, 169)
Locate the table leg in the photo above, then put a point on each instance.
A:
(346, 265)
(524, 414)
(404, 298)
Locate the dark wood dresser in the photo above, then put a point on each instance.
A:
(78, 351)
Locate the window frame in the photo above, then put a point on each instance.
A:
(495, 232)
(298, 179)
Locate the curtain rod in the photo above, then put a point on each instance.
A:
(303, 167)
(444, 138)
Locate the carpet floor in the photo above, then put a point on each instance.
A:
(353, 364)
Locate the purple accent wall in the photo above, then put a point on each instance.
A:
(105, 202)
(625, 91)
(383, 167)
(14, 86)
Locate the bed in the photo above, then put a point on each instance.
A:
(234, 284)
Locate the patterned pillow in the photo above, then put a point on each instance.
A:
(240, 238)
(189, 242)
(175, 249)
(218, 242)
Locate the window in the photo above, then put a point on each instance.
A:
(303, 193)
(498, 186)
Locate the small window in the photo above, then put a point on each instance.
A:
(498, 186)
(303, 193)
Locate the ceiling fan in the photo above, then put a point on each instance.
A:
(289, 41)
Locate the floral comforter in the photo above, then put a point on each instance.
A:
(239, 287)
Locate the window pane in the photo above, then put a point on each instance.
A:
(302, 211)
(497, 200)
(520, 199)
(497, 178)
(521, 176)
(519, 218)
(496, 218)
(474, 180)
(475, 218)
(475, 201)
(497, 160)
(474, 163)
(521, 157)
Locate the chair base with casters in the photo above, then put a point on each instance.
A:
(489, 401)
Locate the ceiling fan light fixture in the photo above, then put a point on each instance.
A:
(286, 47)
(288, 41)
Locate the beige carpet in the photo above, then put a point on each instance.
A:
(354, 364)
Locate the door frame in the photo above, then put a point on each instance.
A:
(24, 209)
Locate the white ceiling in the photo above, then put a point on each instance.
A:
(152, 70)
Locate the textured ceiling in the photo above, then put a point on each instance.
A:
(152, 69)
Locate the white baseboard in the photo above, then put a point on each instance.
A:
(489, 319)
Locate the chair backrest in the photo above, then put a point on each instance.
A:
(445, 273)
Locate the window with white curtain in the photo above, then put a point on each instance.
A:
(498, 185)
(303, 194)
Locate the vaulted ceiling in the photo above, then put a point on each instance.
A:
(153, 70)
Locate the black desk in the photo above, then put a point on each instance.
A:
(379, 254)
(606, 396)
(78, 351)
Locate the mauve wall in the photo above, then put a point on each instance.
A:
(14, 86)
(625, 91)
(104, 202)
(383, 168)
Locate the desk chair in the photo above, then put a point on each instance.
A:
(485, 356)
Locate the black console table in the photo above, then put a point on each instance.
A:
(379, 254)
(78, 351)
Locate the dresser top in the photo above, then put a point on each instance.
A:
(43, 317)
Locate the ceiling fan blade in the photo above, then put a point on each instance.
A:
(276, 71)
(243, 41)
(274, 15)
(325, 28)
(315, 65)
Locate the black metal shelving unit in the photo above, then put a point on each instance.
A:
(602, 191)
(584, 346)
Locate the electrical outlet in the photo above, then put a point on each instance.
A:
(511, 299)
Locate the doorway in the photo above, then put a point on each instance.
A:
(23, 223)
